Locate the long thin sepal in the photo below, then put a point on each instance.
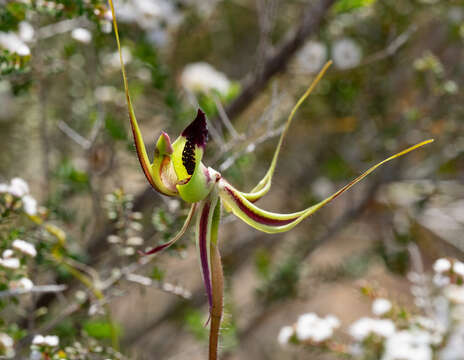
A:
(265, 184)
(203, 240)
(271, 222)
(178, 235)
(153, 178)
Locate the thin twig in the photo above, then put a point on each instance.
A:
(35, 290)
(74, 135)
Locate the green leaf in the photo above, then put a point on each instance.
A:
(342, 6)
(101, 329)
(115, 129)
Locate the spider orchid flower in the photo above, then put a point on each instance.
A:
(177, 170)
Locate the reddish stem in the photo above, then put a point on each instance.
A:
(217, 303)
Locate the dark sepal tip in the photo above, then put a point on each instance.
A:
(197, 131)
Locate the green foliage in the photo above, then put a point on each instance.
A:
(100, 329)
(350, 5)
(194, 322)
(282, 283)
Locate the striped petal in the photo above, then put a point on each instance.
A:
(265, 184)
(271, 222)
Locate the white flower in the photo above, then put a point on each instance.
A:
(49, 340)
(23, 283)
(381, 306)
(346, 53)
(26, 31)
(458, 268)
(313, 328)
(440, 280)
(13, 43)
(6, 346)
(24, 247)
(135, 241)
(455, 294)
(312, 56)
(284, 335)
(441, 265)
(106, 93)
(29, 205)
(202, 77)
(113, 58)
(82, 35)
(408, 345)
(8, 253)
(18, 187)
(4, 188)
(6, 340)
(113, 239)
(10, 263)
(363, 327)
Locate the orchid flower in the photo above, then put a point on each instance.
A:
(177, 170)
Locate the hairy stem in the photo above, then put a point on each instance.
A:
(217, 304)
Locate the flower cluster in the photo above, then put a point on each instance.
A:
(16, 194)
(345, 52)
(393, 333)
(128, 227)
(309, 329)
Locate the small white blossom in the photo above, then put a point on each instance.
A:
(7, 253)
(113, 58)
(381, 306)
(26, 31)
(346, 54)
(82, 35)
(6, 340)
(13, 43)
(106, 93)
(29, 205)
(23, 283)
(455, 294)
(312, 57)
(363, 327)
(18, 187)
(10, 263)
(285, 334)
(458, 268)
(313, 328)
(49, 340)
(4, 188)
(135, 241)
(113, 239)
(202, 77)
(6, 346)
(38, 340)
(408, 345)
(24, 247)
(440, 280)
(441, 265)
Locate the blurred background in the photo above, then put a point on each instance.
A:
(396, 80)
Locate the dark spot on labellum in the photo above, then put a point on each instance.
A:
(197, 131)
(188, 157)
(197, 135)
